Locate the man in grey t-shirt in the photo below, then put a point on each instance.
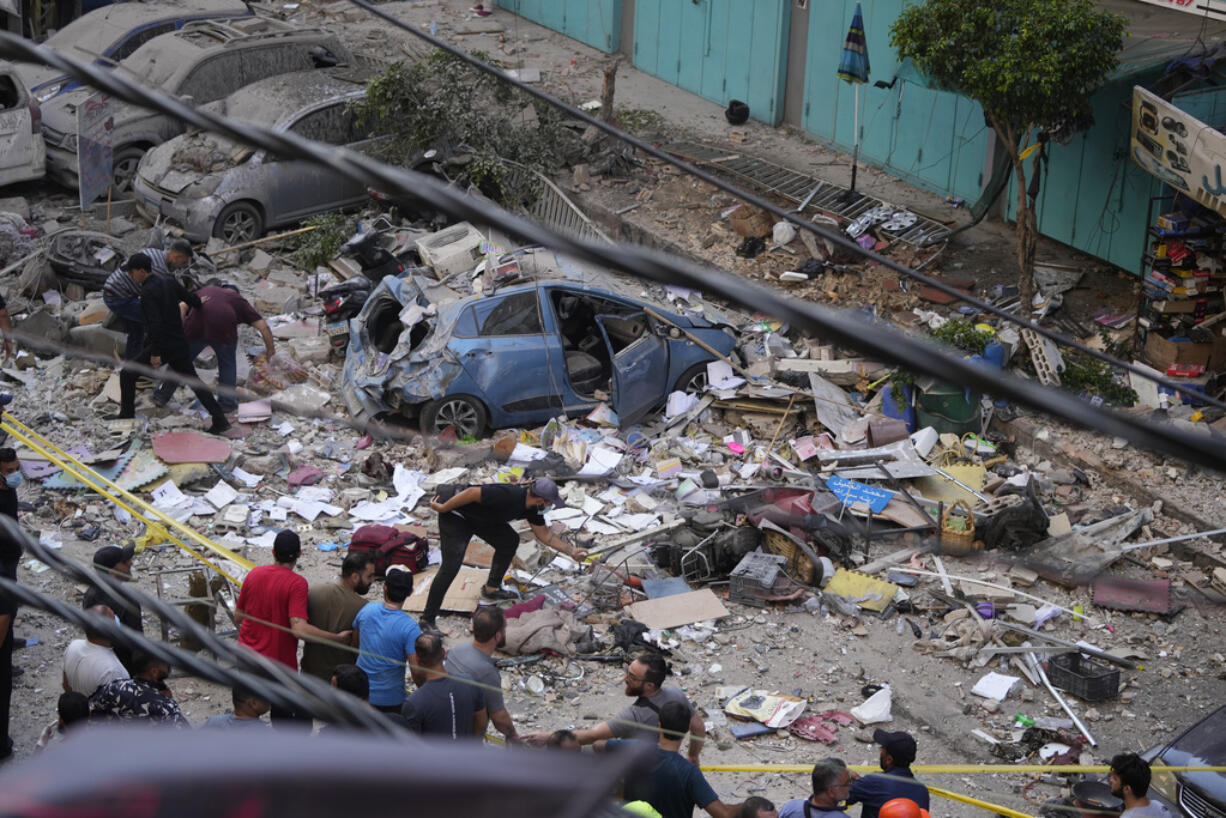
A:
(476, 661)
(641, 719)
(1129, 781)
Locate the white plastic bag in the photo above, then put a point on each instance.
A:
(875, 709)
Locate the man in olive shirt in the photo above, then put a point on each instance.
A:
(332, 607)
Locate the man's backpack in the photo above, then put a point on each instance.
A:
(391, 546)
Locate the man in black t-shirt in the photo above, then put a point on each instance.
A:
(448, 706)
(486, 512)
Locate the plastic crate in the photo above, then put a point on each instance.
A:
(753, 579)
(1083, 677)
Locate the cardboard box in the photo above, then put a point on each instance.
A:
(1161, 353)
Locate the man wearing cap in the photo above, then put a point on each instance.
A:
(486, 512)
(895, 779)
(216, 326)
(122, 295)
(115, 562)
(165, 342)
(276, 595)
(387, 635)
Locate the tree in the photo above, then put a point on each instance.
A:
(1032, 66)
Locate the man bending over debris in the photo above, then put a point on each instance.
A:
(641, 720)
(486, 512)
(122, 295)
(159, 302)
(675, 786)
(216, 326)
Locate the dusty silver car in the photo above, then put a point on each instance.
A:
(211, 186)
(206, 61)
(113, 33)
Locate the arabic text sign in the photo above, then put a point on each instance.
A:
(94, 123)
(851, 492)
(1213, 9)
(1180, 150)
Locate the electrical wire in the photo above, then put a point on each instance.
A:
(844, 328)
(838, 237)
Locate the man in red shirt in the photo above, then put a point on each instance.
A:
(275, 594)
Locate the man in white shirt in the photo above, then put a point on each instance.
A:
(91, 662)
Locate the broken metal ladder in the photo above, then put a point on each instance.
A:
(808, 192)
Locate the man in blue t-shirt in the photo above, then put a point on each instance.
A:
(895, 780)
(675, 785)
(831, 783)
(386, 637)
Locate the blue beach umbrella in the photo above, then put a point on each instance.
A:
(854, 68)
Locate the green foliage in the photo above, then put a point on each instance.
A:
(960, 333)
(316, 248)
(1083, 374)
(640, 120)
(444, 103)
(1029, 63)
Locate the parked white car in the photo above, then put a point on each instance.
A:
(23, 153)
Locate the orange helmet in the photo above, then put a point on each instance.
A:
(901, 808)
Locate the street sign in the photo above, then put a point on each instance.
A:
(95, 120)
(1179, 149)
(1212, 9)
(851, 492)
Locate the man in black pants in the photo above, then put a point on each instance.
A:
(10, 556)
(165, 340)
(486, 512)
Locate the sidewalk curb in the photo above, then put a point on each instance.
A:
(1024, 431)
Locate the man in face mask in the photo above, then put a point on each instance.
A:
(10, 471)
(115, 562)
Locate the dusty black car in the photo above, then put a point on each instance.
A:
(1192, 794)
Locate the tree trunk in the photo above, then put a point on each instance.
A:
(1027, 224)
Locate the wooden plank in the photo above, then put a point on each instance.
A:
(462, 597)
(678, 610)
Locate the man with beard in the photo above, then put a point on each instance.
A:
(476, 661)
(641, 720)
(1129, 781)
(332, 607)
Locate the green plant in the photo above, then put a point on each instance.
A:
(639, 120)
(445, 104)
(1085, 375)
(960, 333)
(317, 247)
(1032, 65)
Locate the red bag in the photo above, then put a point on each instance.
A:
(391, 546)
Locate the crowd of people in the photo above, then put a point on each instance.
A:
(371, 649)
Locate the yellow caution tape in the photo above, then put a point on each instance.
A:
(975, 802)
(155, 519)
(961, 769)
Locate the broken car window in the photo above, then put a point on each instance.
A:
(138, 39)
(513, 315)
(9, 96)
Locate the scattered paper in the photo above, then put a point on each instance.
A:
(720, 376)
(523, 453)
(221, 495)
(995, 686)
(246, 478)
(602, 460)
(679, 403)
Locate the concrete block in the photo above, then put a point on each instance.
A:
(43, 324)
(97, 338)
(275, 300)
(260, 262)
(313, 349)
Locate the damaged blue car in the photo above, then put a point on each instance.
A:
(521, 353)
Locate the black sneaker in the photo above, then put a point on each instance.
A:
(498, 594)
(120, 417)
(219, 426)
(428, 626)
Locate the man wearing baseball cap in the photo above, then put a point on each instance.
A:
(895, 779)
(115, 561)
(486, 512)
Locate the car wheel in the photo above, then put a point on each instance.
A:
(239, 222)
(693, 381)
(123, 168)
(465, 414)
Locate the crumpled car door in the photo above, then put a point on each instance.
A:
(17, 139)
(640, 371)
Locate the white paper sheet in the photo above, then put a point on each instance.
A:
(602, 461)
(720, 376)
(524, 453)
(679, 403)
(221, 495)
(247, 478)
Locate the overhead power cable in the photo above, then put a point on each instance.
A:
(835, 236)
(882, 342)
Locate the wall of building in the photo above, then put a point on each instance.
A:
(719, 49)
(597, 23)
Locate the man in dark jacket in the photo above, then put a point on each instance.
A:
(165, 340)
(116, 562)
